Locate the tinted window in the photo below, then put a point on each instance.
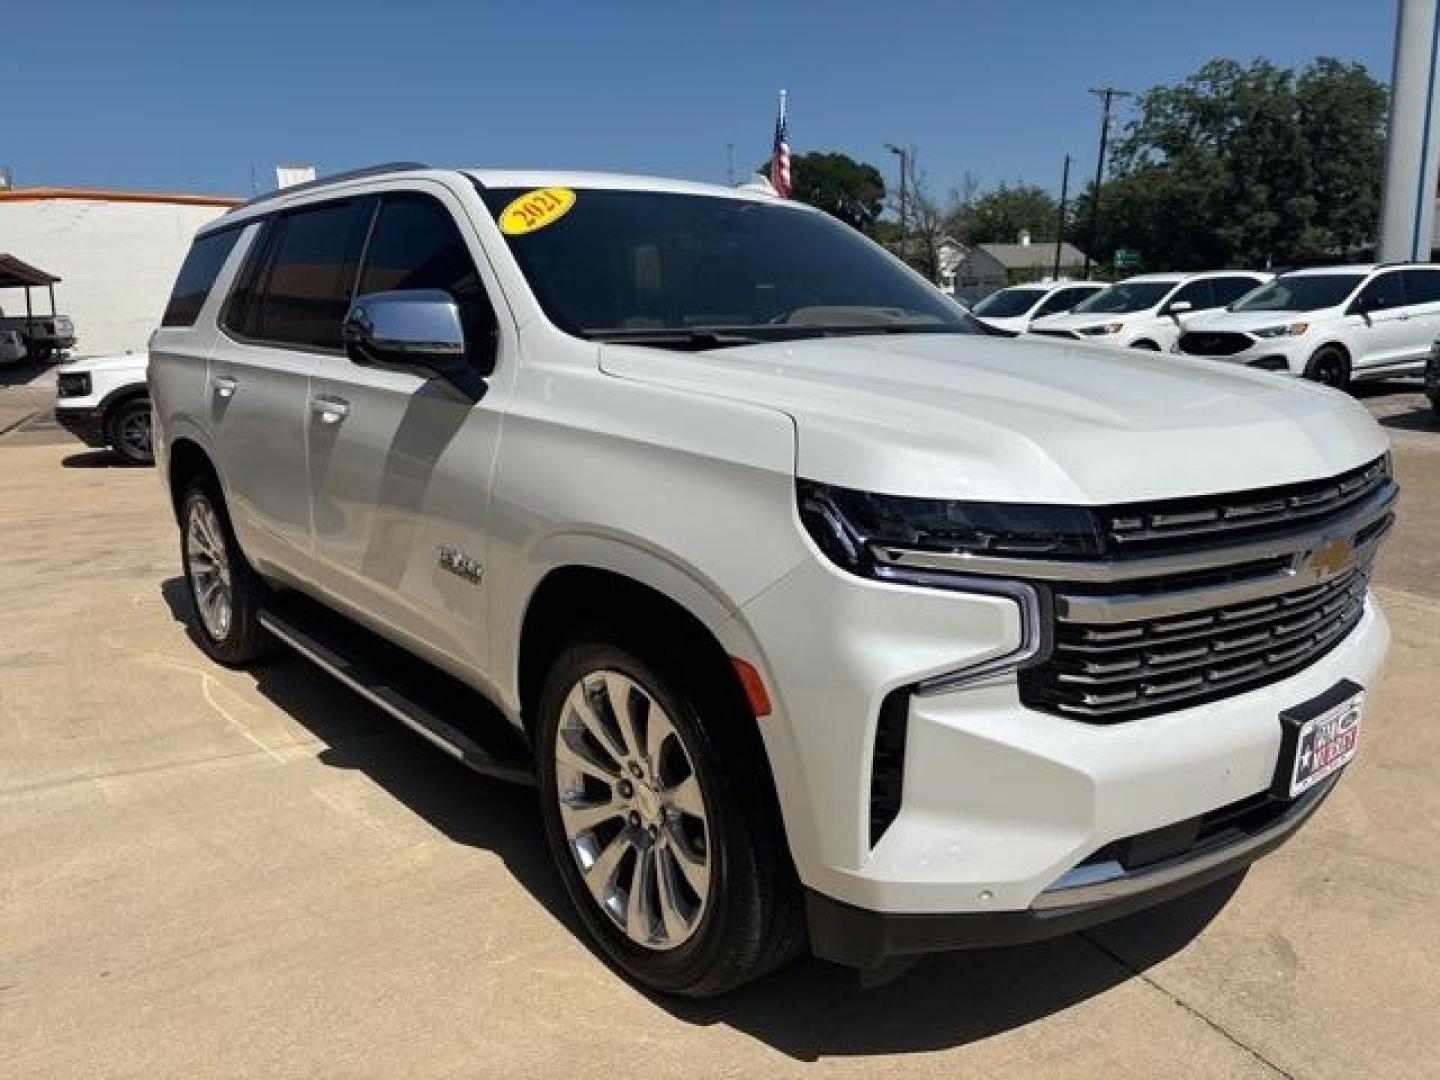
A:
(1198, 294)
(1126, 296)
(1301, 292)
(1063, 300)
(1422, 286)
(1230, 289)
(197, 275)
(416, 245)
(1007, 303)
(1386, 291)
(307, 283)
(666, 267)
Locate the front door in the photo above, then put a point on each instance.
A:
(400, 462)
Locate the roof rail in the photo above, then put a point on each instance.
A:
(335, 178)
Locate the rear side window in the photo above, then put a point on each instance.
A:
(197, 276)
(416, 245)
(308, 281)
(1422, 286)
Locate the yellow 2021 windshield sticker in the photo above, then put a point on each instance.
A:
(536, 209)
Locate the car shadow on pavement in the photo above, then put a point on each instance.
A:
(809, 1010)
(98, 459)
(22, 373)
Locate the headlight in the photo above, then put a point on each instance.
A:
(72, 384)
(1107, 328)
(1292, 330)
(855, 528)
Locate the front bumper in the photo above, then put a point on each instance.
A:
(856, 937)
(999, 802)
(86, 424)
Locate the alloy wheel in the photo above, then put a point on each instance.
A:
(209, 567)
(633, 810)
(134, 433)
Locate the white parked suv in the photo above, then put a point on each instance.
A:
(1333, 324)
(1013, 309)
(813, 611)
(1148, 311)
(104, 401)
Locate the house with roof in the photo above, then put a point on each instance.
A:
(984, 268)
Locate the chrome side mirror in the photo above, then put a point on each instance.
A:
(416, 328)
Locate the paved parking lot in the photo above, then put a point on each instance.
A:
(206, 872)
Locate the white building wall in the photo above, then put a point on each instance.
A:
(117, 262)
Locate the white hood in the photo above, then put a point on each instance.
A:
(127, 362)
(1076, 320)
(1025, 419)
(1253, 320)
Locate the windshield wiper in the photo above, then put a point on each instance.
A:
(693, 340)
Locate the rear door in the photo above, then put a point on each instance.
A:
(400, 464)
(283, 316)
(1422, 303)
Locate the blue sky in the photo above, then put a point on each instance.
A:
(188, 97)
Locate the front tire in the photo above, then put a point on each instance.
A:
(128, 431)
(1329, 367)
(666, 846)
(225, 593)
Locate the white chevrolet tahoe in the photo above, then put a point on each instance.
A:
(1333, 324)
(1148, 311)
(104, 401)
(813, 613)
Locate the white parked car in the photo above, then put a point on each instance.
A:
(814, 611)
(104, 401)
(1014, 308)
(1333, 324)
(1148, 311)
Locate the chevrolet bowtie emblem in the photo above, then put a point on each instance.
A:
(1332, 557)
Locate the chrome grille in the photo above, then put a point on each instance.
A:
(1146, 526)
(1118, 671)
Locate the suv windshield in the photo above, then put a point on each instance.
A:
(1127, 296)
(1007, 303)
(1300, 292)
(701, 271)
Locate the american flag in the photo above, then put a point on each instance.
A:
(780, 155)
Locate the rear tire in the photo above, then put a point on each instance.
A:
(1329, 367)
(225, 593)
(128, 431)
(669, 849)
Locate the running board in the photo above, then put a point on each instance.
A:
(373, 669)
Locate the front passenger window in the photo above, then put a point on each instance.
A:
(1382, 294)
(416, 245)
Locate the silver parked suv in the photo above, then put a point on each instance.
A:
(814, 611)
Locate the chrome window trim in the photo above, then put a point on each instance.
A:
(1298, 543)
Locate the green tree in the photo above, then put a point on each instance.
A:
(1245, 165)
(998, 216)
(853, 191)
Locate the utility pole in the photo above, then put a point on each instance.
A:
(1060, 218)
(730, 164)
(904, 188)
(1108, 94)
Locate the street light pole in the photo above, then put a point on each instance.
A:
(1060, 217)
(904, 162)
(1108, 95)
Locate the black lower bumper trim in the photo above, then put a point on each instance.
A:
(860, 938)
(87, 425)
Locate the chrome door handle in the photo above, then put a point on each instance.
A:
(225, 385)
(330, 410)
